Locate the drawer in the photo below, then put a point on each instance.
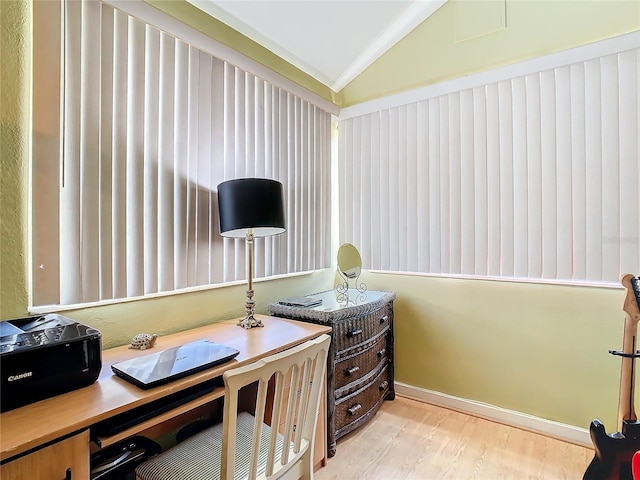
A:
(352, 368)
(350, 408)
(354, 332)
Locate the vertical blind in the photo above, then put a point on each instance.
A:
(130, 147)
(532, 177)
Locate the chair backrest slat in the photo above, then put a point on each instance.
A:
(261, 401)
(290, 415)
(303, 404)
(229, 418)
(278, 395)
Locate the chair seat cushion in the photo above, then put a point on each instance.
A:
(198, 457)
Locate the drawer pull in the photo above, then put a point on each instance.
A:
(383, 385)
(381, 352)
(352, 370)
(354, 409)
(355, 332)
(68, 474)
(384, 319)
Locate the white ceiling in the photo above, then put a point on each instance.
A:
(331, 40)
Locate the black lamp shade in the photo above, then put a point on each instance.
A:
(251, 203)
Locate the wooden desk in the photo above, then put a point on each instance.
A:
(33, 426)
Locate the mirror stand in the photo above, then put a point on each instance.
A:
(349, 268)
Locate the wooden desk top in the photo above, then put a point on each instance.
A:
(33, 425)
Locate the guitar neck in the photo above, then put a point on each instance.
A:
(626, 405)
(631, 306)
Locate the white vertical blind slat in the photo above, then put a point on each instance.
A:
(205, 187)
(433, 133)
(479, 153)
(283, 166)
(579, 172)
(270, 172)
(467, 188)
(444, 185)
(256, 151)
(90, 151)
(318, 133)
(420, 130)
(533, 172)
(629, 177)
(150, 159)
(362, 170)
(119, 151)
(396, 221)
(70, 267)
(306, 163)
(406, 158)
(549, 182)
(229, 261)
(133, 208)
(505, 129)
(593, 170)
(386, 213)
(610, 167)
(348, 172)
(494, 244)
(191, 187)
(106, 152)
(521, 161)
(166, 171)
(455, 187)
(217, 160)
(299, 172)
(180, 163)
(290, 142)
(564, 173)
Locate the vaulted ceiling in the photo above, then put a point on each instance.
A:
(331, 40)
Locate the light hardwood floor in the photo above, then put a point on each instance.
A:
(414, 440)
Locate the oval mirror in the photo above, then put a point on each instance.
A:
(349, 261)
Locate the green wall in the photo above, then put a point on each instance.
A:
(118, 322)
(537, 349)
(430, 53)
(14, 124)
(532, 348)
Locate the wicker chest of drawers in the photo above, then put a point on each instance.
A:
(360, 361)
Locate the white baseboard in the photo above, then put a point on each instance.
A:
(561, 431)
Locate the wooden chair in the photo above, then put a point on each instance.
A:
(270, 454)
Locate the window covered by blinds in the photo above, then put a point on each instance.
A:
(133, 130)
(532, 177)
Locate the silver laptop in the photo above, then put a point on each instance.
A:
(156, 368)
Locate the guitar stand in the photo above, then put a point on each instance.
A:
(625, 355)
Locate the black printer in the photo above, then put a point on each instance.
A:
(46, 355)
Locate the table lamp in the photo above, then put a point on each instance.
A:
(249, 208)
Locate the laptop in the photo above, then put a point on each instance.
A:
(162, 367)
(302, 302)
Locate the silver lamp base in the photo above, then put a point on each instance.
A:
(250, 321)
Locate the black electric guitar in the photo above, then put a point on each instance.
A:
(612, 460)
